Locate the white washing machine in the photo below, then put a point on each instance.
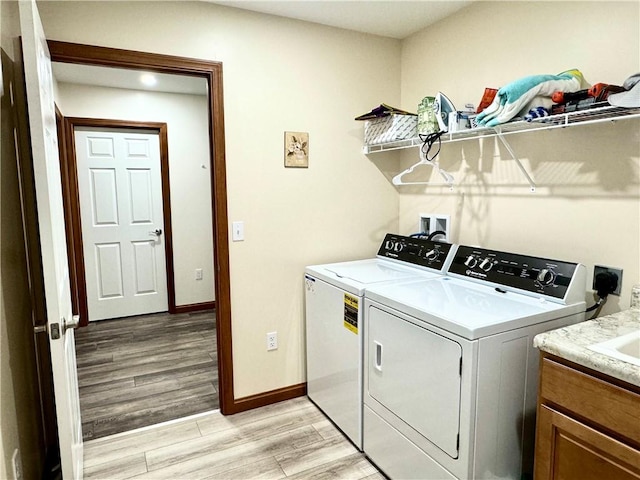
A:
(334, 320)
(450, 375)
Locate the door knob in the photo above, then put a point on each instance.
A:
(74, 323)
(157, 232)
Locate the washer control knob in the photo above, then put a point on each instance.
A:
(546, 276)
(471, 261)
(398, 247)
(486, 264)
(388, 245)
(432, 254)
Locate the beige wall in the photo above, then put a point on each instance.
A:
(187, 122)
(287, 75)
(19, 414)
(587, 205)
(279, 75)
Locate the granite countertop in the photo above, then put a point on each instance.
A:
(571, 343)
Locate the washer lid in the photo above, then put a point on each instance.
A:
(468, 309)
(357, 275)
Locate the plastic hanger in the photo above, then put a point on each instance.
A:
(447, 177)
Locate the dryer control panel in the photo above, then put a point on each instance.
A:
(532, 274)
(415, 251)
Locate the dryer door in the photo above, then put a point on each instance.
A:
(415, 374)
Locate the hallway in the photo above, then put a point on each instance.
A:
(139, 371)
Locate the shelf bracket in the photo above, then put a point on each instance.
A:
(506, 144)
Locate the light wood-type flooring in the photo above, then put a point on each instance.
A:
(145, 370)
(290, 439)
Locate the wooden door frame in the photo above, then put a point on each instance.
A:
(212, 72)
(69, 165)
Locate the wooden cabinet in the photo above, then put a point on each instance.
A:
(588, 425)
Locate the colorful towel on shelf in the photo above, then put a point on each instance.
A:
(518, 95)
(536, 113)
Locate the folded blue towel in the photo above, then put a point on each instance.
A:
(516, 96)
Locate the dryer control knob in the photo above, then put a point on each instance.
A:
(486, 264)
(432, 254)
(471, 261)
(546, 276)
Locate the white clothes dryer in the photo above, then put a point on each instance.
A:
(450, 375)
(334, 320)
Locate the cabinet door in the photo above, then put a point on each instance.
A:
(569, 450)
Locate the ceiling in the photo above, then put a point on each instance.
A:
(129, 79)
(387, 18)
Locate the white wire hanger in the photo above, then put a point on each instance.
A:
(427, 159)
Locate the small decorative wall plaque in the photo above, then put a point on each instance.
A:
(296, 149)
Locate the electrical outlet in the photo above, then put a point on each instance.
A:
(272, 341)
(16, 461)
(198, 274)
(597, 269)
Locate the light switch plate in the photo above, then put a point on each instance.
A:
(237, 231)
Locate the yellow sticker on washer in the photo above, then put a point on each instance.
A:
(351, 313)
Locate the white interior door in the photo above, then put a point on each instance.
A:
(120, 188)
(44, 145)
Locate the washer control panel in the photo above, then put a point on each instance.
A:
(415, 251)
(533, 274)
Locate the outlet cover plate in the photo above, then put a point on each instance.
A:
(601, 269)
(272, 341)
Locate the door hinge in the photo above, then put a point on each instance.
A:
(460, 369)
(458, 443)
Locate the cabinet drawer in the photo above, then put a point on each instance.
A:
(597, 402)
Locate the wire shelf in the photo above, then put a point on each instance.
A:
(601, 114)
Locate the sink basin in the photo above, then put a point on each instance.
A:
(625, 348)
